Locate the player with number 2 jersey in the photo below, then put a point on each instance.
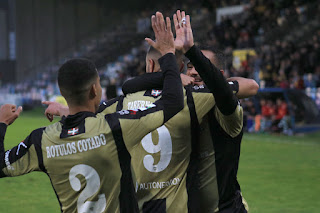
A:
(86, 155)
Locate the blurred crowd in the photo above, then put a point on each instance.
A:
(284, 36)
(269, 116)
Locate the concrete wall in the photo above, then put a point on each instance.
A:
(47, 30)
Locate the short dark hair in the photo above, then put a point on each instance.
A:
(75, 78)
(155, 54)
(220, 58)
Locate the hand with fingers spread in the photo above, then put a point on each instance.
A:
(184, 36)
(164, 42)
(9, 113)
(56, 109)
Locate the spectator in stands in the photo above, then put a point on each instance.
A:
(249, 114)
(280, 112)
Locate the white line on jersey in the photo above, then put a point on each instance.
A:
(19, 147)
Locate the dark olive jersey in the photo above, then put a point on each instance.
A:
(161, 162)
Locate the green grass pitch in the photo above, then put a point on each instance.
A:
(277, 174)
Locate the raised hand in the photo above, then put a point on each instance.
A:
(184, 36)
(9, 113)
(55, 108)
(164, 42)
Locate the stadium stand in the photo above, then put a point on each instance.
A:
(274, 42)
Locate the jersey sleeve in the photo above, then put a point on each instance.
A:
(143, 82)
(23, 158)
(234, 85)
(135, 124)
(231, 124)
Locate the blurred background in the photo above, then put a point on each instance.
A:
(274, 42)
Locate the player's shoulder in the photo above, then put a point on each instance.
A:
(152, 93)
(105, 105)
(51, 131)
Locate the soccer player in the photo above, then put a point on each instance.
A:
(220, 150)
(164, 162)
(229, 125)
(86, 154)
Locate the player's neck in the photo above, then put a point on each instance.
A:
(76, 109)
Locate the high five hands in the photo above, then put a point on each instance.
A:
(184, 36)
(164, 42)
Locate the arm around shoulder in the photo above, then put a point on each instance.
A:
(247, 87)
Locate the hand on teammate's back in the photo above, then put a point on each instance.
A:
(184, 36)
(9, 113)
(164, 42)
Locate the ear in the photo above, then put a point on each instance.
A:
(181, 69)
(93, 91)
(222, 72)
(151, 65)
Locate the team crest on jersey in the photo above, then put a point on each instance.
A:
(155, 92)
(73, 131)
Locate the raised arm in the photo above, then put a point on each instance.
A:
(172, 95)
(211, 75)
(24, 157)
(8, 114)
(143, 82)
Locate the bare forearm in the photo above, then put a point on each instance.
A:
(247, 87)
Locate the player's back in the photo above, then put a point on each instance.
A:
(83, 164)
(161, 162)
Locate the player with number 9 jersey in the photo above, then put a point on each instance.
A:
(163, 173)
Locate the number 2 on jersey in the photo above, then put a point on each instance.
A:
(93, 185)
(164, 146)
